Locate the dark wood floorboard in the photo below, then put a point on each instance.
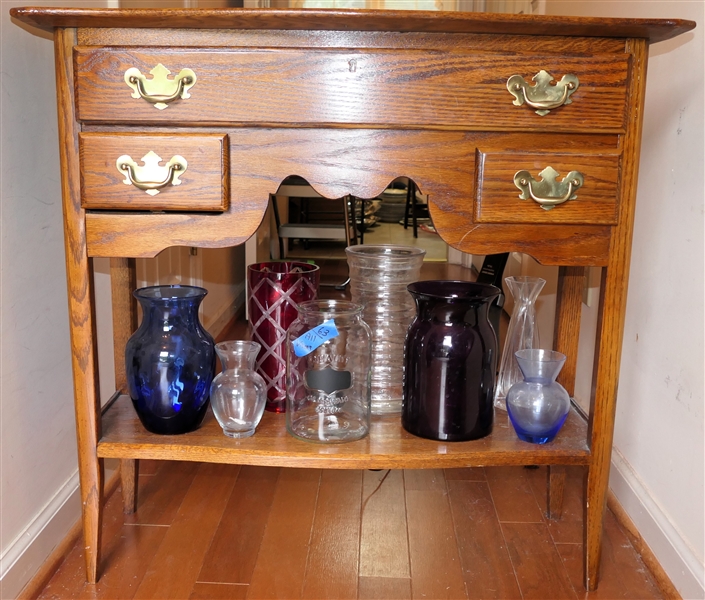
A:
(223, 531)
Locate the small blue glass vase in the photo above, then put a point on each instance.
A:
(170, 360)
(538, 405)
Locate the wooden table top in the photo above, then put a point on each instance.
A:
(655, 30)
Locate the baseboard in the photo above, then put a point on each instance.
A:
(29, 551)
(663, 581)
(665, 551)
(227, 312)
(51, 563)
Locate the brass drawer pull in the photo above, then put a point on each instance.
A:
(160, 90)
(151, 177)
(543, 96)
(548, 192)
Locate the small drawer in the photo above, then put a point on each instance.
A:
(498, 198)
(185, 172)
(405, 88)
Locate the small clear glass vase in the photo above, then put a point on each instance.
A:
(538, 405)
(238, 393)
(523, 332)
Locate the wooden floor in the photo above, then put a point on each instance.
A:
(208, 531)
(223, 531)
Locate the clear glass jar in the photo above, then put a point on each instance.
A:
(378, 279)
(328, 373)
(238, 393)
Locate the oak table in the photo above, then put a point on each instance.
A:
(176, 125)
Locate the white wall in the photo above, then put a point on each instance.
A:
(38, 504)
(657, 470)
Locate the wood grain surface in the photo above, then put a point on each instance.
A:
(566, 331)
(203, 185)
(487, 568)
(539, 568)
(363, 162)
(497, 198)
(334, 549)
(436, 570)
(123, 282)
(384, 546)
(373, 87)
(389, 125)
(82, 325)
(387, 446)
(345, 39)
(131, 549)
(162, 493)
(610, 328)
(283, 551)
(654, 30)
(206, 497)
(233, 551)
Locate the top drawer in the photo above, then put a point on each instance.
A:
(323, 86)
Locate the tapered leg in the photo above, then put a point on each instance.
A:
(602, 412)
(556, 485)
(79, 276)
(601, 424)
(613, 302)
(565, 339)
(123, 281)
(129, 471)
(566, 333)
(596, 490)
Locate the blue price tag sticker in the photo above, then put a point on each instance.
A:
(313, 338)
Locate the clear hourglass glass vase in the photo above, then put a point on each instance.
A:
(238, 393)
(523, 332)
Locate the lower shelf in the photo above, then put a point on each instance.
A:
(388, 446)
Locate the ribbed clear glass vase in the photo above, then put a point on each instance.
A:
(378, 279)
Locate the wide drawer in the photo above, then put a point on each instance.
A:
(326, 86)
(546, 187)
(184, 172)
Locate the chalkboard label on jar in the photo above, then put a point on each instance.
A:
(328, 380)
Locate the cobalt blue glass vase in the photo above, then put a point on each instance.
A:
(170, 360)
(450, 361)
(538, 405)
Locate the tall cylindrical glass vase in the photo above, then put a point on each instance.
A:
(379, 276)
